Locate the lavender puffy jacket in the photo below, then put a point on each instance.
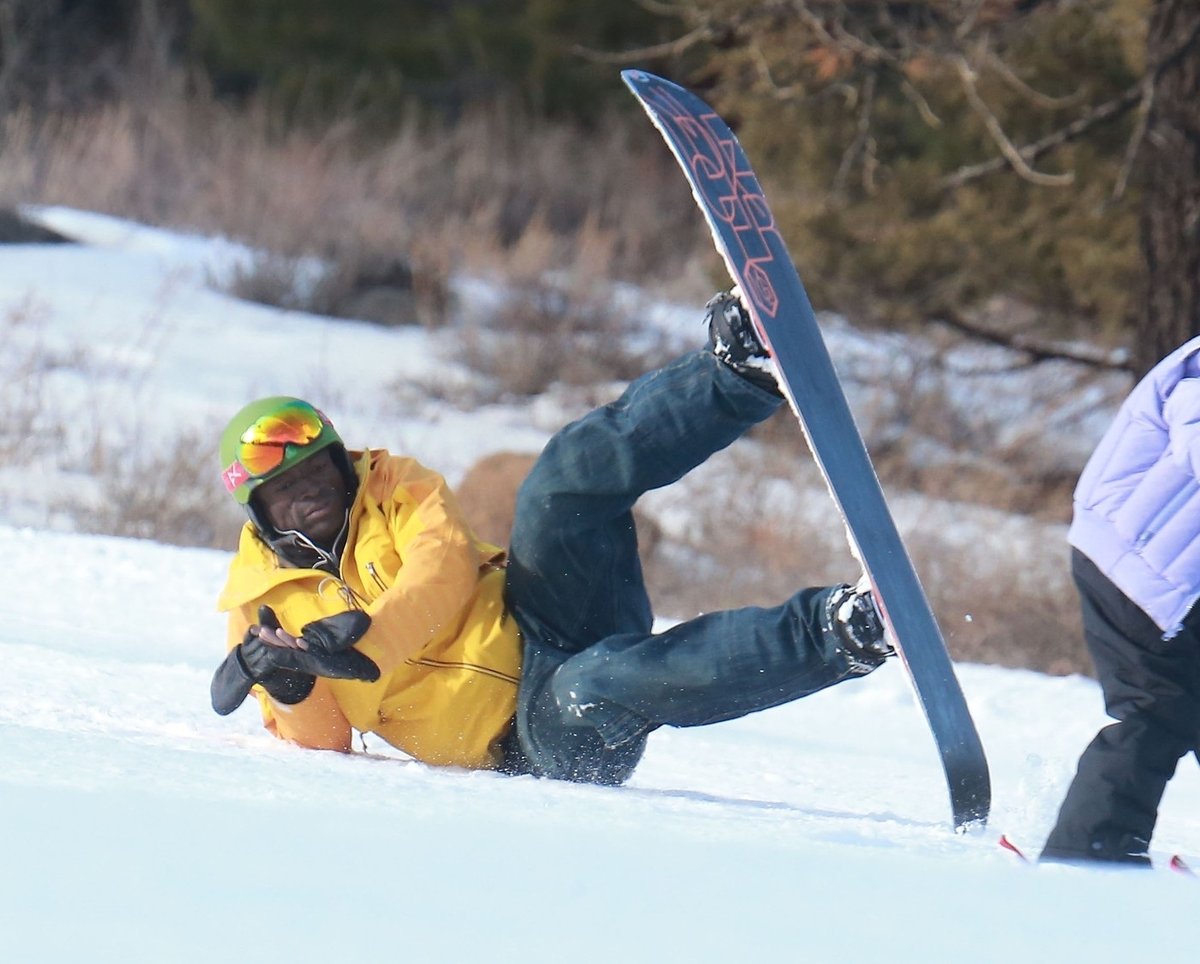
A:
(1137, 504)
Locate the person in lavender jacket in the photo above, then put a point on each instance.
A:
(1135, 557)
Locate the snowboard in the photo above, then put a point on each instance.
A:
(744, 231)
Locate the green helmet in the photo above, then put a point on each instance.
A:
(268, 437)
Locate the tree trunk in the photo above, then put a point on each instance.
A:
(1170, 217)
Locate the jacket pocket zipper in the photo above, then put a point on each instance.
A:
(474, 667)
(1174, 504)
(374, 575)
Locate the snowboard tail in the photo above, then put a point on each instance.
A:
(743, 229)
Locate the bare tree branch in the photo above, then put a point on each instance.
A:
(968, 22)
(1035, 350)
(1081, 125)
(996, 131)
(1135, 139)
(765, 74)
(666, 9)
(920, 103)
(841, 39)
(671, 48)
(1034, 96)
(1141, 93)
(861, 145)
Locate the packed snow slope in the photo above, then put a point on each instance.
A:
(139, 826)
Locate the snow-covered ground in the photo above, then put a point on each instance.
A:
(139, 826)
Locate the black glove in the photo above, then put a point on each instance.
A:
(335, 634)
(231, 683)
(290, 674)
(330, 651)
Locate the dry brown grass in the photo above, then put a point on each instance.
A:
(25, 363)
(99, 469)
(497, 191)
(565, 333)
(168, 495)
(765, 525)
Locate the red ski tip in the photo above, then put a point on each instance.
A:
(1177, 863)
(1011, 847)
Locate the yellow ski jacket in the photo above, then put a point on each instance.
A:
(448, 652)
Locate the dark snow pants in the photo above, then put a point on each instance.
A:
(596, 680)
(1152, 687)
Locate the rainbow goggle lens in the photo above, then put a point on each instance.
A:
(263, 446)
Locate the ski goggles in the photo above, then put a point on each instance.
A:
(263, 446)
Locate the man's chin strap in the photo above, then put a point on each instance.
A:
(298, 550)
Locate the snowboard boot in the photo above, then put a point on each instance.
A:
(853, 621)
(732, 338)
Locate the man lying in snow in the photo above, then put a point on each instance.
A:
(360, 599)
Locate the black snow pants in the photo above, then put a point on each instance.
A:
(1152, 688)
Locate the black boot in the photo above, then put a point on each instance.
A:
(853, 620)
(732, 338)
(1111, 847)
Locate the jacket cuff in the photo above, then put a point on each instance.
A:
(288, 686)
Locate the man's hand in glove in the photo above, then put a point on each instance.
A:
(323, 648)
(286, 665)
